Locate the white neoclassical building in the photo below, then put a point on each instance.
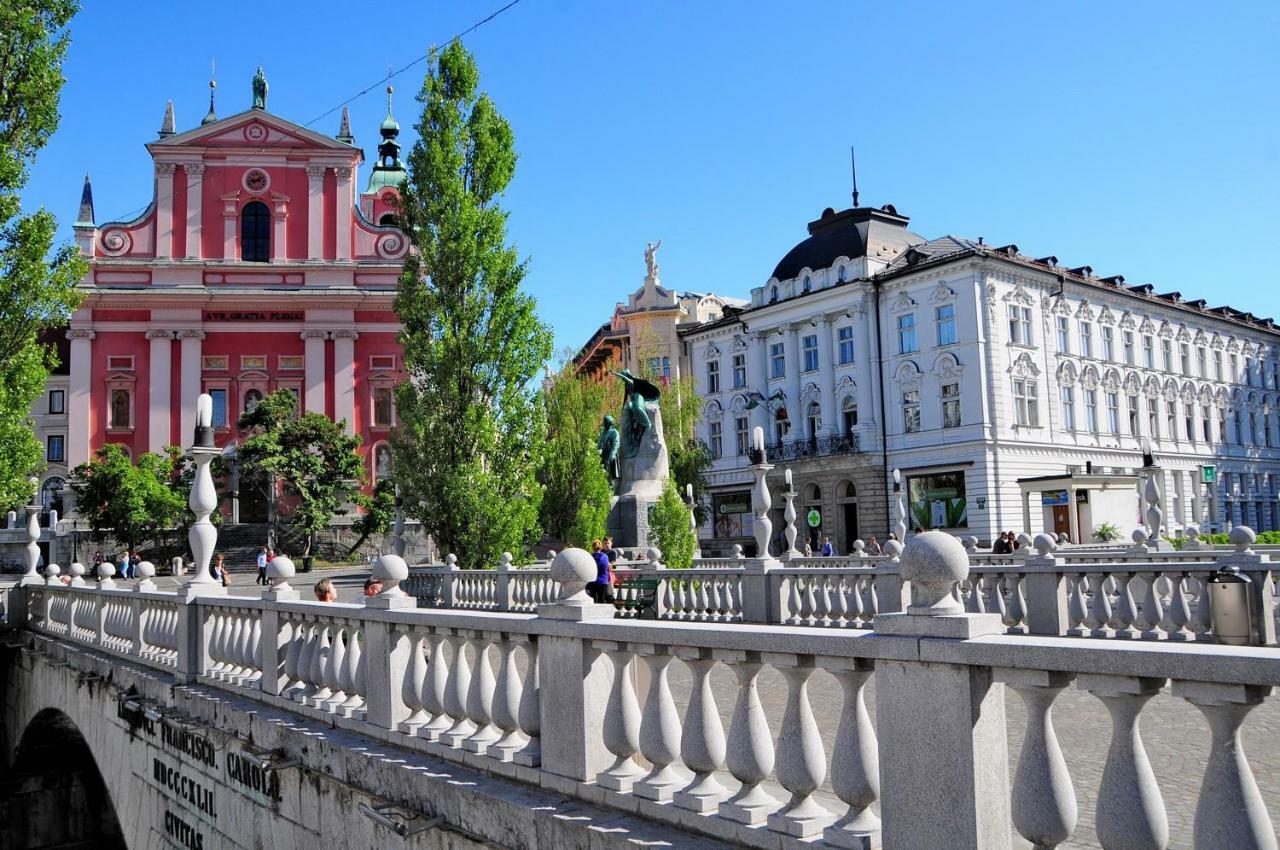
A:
(1008, 392)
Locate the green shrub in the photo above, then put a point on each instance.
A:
(1106, 532)
(669, 529)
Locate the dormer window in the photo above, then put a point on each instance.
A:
(255, 233)
(773, 294)
(840, 275)
(807, 283)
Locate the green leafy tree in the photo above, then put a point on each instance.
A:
(37, 282)
(135, 502)
(379, 513)
(669, 529)
(471, 435)
(313, 456)
(575, 503)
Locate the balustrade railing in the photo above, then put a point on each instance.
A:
(630, 711)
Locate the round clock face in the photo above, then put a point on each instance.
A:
(255, 180)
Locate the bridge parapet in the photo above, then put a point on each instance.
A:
(559, 703)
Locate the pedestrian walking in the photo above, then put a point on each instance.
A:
(219, 570)
(263, 557)
(827, 549)
(122, 564)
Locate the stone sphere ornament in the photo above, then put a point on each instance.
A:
(574, 569)
(1044, 544)
(77, 572)
(893, 549)
(934, 562)
(107, 569)
(146, 570)
(1242, 537)
(279, 570)
(51, 572)
(1139, 536)
(390, 570)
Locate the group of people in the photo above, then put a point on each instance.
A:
(605, 556)
(326, 592)
(1005, 544)
(126, 564)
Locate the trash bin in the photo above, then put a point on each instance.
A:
(1229, 608)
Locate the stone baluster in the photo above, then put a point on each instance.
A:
(801, 760)
(750, 746)
(1204, 617)
(789, 515)
(1017, 604)
(455, 695)
(1078, 606)
(506, 704)
(1230, 811)
(217, 638)
(293, 657)
(1130, 811)
(1152, 608)
(855, 760)
(1180, 615)
(252, 653)
(702, 743)
(1126, 620)
(1100, 607)
(480, 697)
(531, 708)
(319, 666)
(1044, 800)
(307, 662)
(659, 730)
(334, 666)
(621, 721)
(351, 670)
(415, 680)
(435, 689)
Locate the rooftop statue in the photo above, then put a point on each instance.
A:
(651, 258)
(259, 90)
(635, 418)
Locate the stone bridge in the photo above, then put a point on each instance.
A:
(135, 718)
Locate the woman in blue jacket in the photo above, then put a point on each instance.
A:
(598, 590)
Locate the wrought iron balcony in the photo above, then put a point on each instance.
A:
(837, 444)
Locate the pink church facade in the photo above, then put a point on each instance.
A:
(258, 266)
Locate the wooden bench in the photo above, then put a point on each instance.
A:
(637, 596)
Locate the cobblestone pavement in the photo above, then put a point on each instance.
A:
(1174, 731)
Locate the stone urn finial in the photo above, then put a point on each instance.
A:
(934, 562)
(451, 562)
(1044, 544)
(574, 568)
(893, 549)
(970, 544)
(77, 573)
(107, 569)
(1242, 537)
(654, 556)
(279, 570)
(51, 573)
(391, 570)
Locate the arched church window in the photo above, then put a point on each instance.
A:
(251, 400)
(383, 407)
(255, 233)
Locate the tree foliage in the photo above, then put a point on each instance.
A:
(37, 283)
(135, 502)
(575, 503)
(471, 435)
(669, 529)
(379, 513)
(314, 457)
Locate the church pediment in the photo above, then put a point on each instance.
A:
(253, 128)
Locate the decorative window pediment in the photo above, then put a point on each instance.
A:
(1233, 346)
(739, 344)
(1067, 374)
(1127, 321)
(1200, 338)
(1085, 312)
(1171, 390)
(1061, 307)
(1188, 393)
(1019, 295)
(1205, 395)
(1132, 383)
(1023, 366)
(846, 384)
(908, 375)
(1106, 317)
(1147, 326)
(713, 350)
(739, 403)
(1111, 381)
(1216, 343)
(1221, 398)
(1166, 330)
(1247, 349)
(942, 293)
(1151, 388)
(1184, 335)
(712, 412)
(947, 366)
(903, 303)
(1089, 378)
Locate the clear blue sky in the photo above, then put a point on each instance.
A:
(1140, 138)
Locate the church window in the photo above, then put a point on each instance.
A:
(255, 233)
(382, 462)
(121, 409)
(383, 407)
(219, 397)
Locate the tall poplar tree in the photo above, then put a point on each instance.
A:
(37, 283)
(471, 435)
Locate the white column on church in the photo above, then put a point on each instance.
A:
(827, 377)
(159, 402)
(315, 211)
(279, 217)
(195, 200)
(164, 210)
(794, 365)
(344, 377)
(313, 362)
(79, 399)
(342, 215)
(189, 387)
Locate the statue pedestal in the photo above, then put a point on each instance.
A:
(640, 485)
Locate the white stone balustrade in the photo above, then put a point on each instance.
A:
(465, 685)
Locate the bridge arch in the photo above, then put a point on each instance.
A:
(54, 794)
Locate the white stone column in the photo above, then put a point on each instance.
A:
(279, 240)
(864, 343)
(79, 399)
(827, 377)
(342, 215)
(313, 393)
(794, 365)
(158, 401)
(195, 200)
(344, 377)
(192, 348)
(315, 211)
(164, 210)
(230, 245)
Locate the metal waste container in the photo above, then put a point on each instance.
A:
(1229, 608)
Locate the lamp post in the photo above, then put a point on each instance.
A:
(31, 554)
(204, 498)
